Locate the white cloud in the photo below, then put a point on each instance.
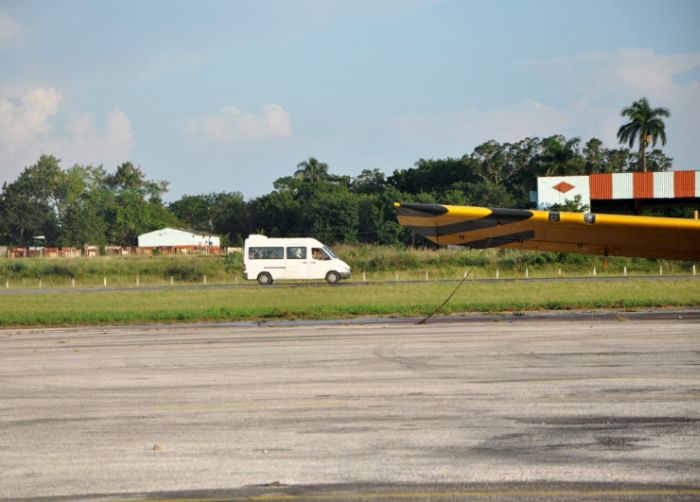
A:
(27, 130)
(25, 118)
(9, 28)
(623, 72)
(233, 125)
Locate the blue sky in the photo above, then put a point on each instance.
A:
(231, 95)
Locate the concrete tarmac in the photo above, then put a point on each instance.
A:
(511, 410)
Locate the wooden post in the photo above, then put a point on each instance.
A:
(137, 281)
(104, 281)
(594, 271)
(171, 280)
(72, 282)
(364, 276)
(527, 273)
(498, 273)
(624, 271)
(205, 279)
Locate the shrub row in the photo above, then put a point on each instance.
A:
(360, 257)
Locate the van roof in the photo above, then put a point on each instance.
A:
(253, 238)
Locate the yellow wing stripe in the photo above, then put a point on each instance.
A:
(605, 234)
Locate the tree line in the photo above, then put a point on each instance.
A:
(87, 205)
(80, 205)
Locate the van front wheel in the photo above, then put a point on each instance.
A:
(332, 277)
(264, 279)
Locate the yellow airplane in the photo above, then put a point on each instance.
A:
(601, 234)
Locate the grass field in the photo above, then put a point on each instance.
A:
(369, 263)
(324, 302)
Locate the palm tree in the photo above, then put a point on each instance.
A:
(311, 170)
(561, 156)
(645, 125)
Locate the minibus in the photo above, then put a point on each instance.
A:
(267, 259)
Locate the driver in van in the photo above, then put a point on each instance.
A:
(318, 254)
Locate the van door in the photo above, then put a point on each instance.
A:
(297, 262)
(320, 263)
(268, 259)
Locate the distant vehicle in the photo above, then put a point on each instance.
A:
(268, 259)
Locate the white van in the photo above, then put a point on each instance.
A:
(268, 259)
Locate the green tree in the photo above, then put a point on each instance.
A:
(32, 204)
(311, 170)
(658, 161)
(646, 126)
(334, 216)
(593, 153)
(574, 205)
(229, 216)
(368, 181)
(561, 156)
(85, 220)
(89, 204)
(193, 211)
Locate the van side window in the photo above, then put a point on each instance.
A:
(265, 253)
(319, 254)
(296, 253)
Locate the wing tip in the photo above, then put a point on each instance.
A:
(417, 209)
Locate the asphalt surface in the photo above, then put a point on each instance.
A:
(593, 409)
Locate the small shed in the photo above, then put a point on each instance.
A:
(179, 241)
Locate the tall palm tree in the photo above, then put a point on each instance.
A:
(645, 125)
(311, 170)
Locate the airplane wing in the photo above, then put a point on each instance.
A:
(601, 234)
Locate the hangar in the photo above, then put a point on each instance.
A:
(622, 192)
(174, 240)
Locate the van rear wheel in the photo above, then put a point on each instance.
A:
(332, 277)
(264, 279)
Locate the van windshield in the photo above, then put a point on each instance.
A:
(330, 253)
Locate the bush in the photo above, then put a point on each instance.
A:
(59, 269)
(184, 272)
(233, 263)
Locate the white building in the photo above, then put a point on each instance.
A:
(622, 192)
(562, 189)
(176, 240)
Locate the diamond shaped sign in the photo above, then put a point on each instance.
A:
(563, 187)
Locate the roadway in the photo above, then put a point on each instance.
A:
(592, 408)
(311, 284)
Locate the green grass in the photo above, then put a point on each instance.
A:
(370, 263)
(254, 303)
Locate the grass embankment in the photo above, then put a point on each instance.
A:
(371, 263)
(325, 302)
(120, 270)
